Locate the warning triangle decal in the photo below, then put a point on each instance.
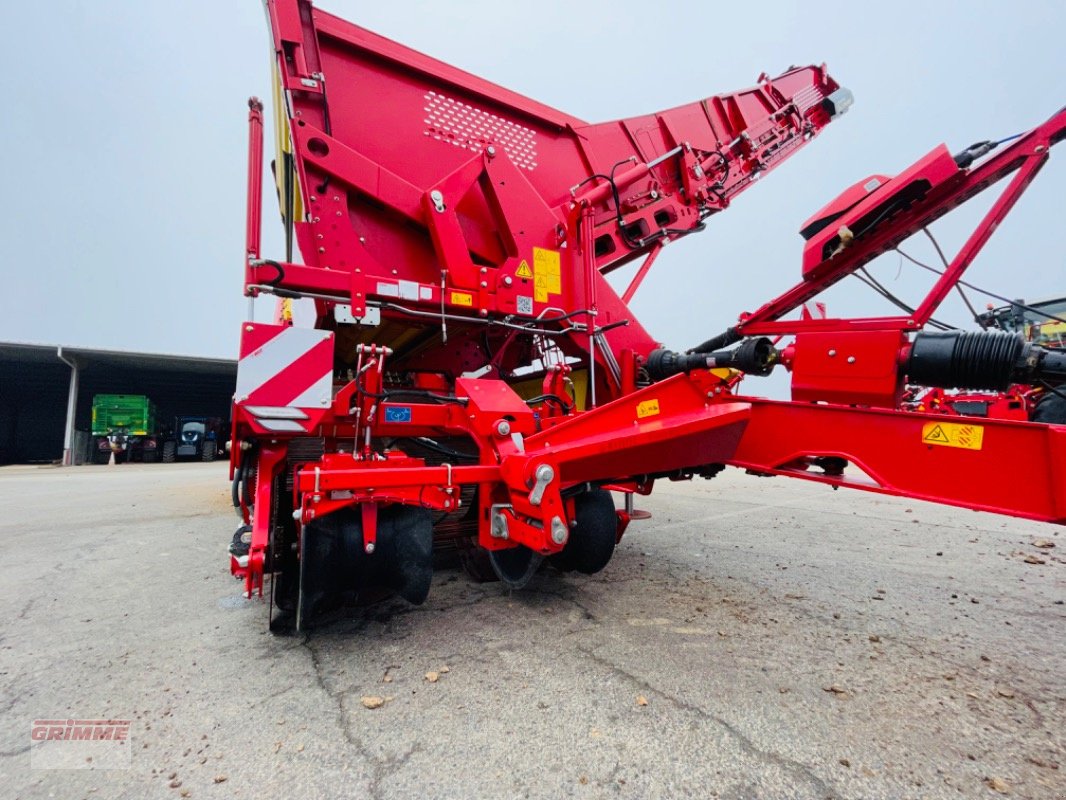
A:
(937, 435)
(523, 270)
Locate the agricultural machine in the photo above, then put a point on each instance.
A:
(124, 427)
(194, 437)
(473, 383)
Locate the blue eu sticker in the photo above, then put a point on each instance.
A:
(398, 414)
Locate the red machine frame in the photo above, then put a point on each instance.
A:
(455, 239)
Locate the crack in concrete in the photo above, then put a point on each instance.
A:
(26, 608)
(336, 697)
(377, 768)
(745, 744)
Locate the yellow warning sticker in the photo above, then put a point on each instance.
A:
(523, 270)
(547, 275)
(952, 434)
(648, 408)
(540, 289)
(462, 299)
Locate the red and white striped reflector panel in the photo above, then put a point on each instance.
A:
(285, 376)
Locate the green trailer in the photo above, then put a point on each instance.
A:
(124, 425)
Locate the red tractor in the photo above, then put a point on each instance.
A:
(472, 381)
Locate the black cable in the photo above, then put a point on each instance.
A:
(676, 232)
(878, 287)
(423, 394)
(420, 393)
(978, 289)
(240, 488)
(1052, 389)
(447, 451)
(327, 125)
(718, 189)
(247, 488)
(525, 327)
(280, 270)
(620, 323)
(632, 244)
(886, 211)
(591, 177)
(235, 489)
(543, 398)
(725, 167)
(289, 204)
(944, 261)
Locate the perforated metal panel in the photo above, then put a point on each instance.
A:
(454, 122)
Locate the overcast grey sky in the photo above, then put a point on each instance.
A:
(124, 143)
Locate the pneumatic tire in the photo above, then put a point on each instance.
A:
(593, 536)
(1050, 409)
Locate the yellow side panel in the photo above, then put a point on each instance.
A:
(283, 147)
(535, 386)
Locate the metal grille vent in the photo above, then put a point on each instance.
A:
(807, 97)
(454, 122)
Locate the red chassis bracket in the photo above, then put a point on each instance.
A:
(271, 458)
(859, 361)
(914, 455)
(901, 211)
(666, 427)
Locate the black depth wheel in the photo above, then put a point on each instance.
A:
(593, 536)
(1051, 409)
(515, 566)
(334, 568)
(477, 564)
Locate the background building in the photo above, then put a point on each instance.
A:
(46, 393)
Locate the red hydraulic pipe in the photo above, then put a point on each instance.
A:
(639, 277)
(255, 184)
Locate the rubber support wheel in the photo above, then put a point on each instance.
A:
(593, 536)
(477, 565)
(1051, 409)
(515, 566)
(334, 566)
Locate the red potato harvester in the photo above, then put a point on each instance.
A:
(472, 383)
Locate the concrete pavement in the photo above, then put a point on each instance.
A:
(758, 638)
